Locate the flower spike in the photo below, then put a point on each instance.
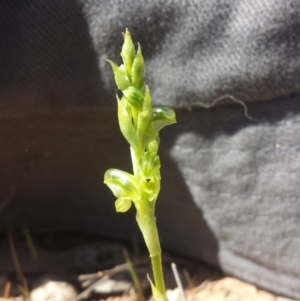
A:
(140, 124)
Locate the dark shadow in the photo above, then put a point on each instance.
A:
(58, 138)
(182, 227)
(47, 59)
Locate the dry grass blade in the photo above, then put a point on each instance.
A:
(188, 279)
(92, 280)
(110, 272)
(8, 198)
(86, 292)
(20, 275)
(29, 242)
(178, 280)
(7, 288)
(134, 277)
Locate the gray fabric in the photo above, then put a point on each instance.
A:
(245, 178)
(198, 50)
(59, 130)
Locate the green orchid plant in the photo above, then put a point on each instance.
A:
(140, 123)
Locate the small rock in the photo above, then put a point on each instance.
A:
(111, 286)
(174, 295)
(53, 291)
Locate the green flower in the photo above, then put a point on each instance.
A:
(150, 164)
(124, 187)
(161, 117)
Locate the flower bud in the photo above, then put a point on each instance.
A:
(121, 77)
(152, 144)
(125, 121)
(134, 96)
(146, 113)
(138, 68)
(127, 52)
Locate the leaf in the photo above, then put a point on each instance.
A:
(157, 295)
(123, 204)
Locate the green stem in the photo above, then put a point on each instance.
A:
(147, 223)
(135, 161)
(158, 273)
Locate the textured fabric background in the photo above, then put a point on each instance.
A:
(230, 192)
(203, 49)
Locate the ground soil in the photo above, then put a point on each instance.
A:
(75, 267)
